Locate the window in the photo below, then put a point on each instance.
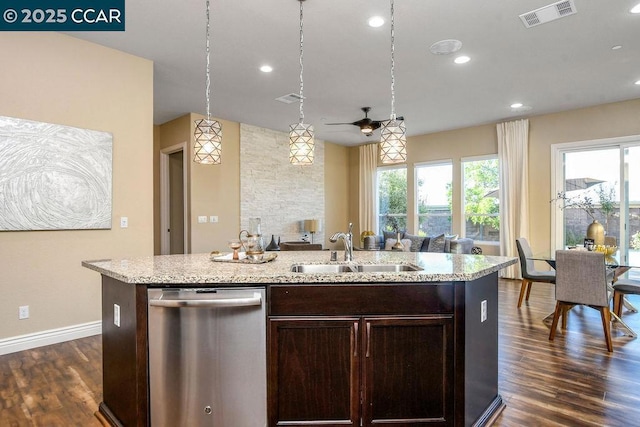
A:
(605, 174)
(433, 198)
(481, 198)
(392, 198)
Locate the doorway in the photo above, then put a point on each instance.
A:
(600, 173)
(173, 202)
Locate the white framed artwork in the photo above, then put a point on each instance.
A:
(54, 177)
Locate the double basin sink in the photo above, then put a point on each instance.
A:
(353, 268)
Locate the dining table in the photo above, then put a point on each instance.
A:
(617, 266)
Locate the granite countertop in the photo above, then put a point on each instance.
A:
(199, 268)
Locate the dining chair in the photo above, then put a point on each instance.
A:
(621, 288)
(581, 280)
(528, 270)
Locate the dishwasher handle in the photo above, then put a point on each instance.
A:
(211, 303)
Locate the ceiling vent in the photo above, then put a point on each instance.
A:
(548, 13)
(290, 98)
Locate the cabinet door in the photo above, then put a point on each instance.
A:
(314, 371)
(408, 371)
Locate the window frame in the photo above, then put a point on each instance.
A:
(388, 168)
(463, 215)
(416, 214)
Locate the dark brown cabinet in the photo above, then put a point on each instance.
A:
(387, 370)
(407, 374)
(315, 371)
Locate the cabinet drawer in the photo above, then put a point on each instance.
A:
(413, 299)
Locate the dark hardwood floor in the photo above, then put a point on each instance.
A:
(572, 381)
(56, 385)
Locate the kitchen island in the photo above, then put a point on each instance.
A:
(351, 348)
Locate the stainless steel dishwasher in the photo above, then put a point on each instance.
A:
(207, 357)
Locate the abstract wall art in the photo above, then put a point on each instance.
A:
(54, 177)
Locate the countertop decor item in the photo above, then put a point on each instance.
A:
(244, 258)
(273, 246)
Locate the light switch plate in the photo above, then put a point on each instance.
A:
(124, 222)
(202, 219)
(213, 218)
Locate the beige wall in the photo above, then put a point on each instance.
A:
(54, 78)
(215, 190)
(603, 121)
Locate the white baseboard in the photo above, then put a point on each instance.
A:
(52, 336)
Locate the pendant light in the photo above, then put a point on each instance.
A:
(300, 134)
(207, 147)
(393, 141)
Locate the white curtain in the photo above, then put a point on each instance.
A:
(367, 187)
(513, 155)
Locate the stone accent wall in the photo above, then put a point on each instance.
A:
(282, 195)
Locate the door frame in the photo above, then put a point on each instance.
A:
(165, 197)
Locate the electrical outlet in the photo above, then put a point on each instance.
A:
(483, 310)
(202, 219)
(124, 222)
(23, 312)
(116, 315)
(213, 218)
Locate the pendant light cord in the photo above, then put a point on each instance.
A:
(301, 62)
(393, 80)
(208, 83)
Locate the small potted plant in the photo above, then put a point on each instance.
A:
(586, 203)
(392, 224)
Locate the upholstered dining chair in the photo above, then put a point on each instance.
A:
(528, 270)
(581, 280)
(621, 288)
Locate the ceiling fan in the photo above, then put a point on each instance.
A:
(366, 125)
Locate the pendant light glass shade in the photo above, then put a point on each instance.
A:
(207, 147)
(393, 135)
(301, 143)
(208, 142)
(393, 144)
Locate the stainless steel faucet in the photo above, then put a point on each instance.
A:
(347, 238)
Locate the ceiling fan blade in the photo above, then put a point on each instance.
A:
(340, 124)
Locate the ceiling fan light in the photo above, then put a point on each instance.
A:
(366, 129)
(301, 144)
(207, 147)
(393, 142)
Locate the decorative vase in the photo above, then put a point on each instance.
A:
(595, 231)
(398, 246)
(273, 246)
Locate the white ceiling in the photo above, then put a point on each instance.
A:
(560, 65)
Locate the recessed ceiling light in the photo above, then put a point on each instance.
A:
(638, 82)
(445, 47)
(636, 9)
(376, 21)
(462, 59)
(616, 47)
(266, 69)
(517, 105)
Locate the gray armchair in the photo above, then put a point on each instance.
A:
(528, 270)
(581, 279)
